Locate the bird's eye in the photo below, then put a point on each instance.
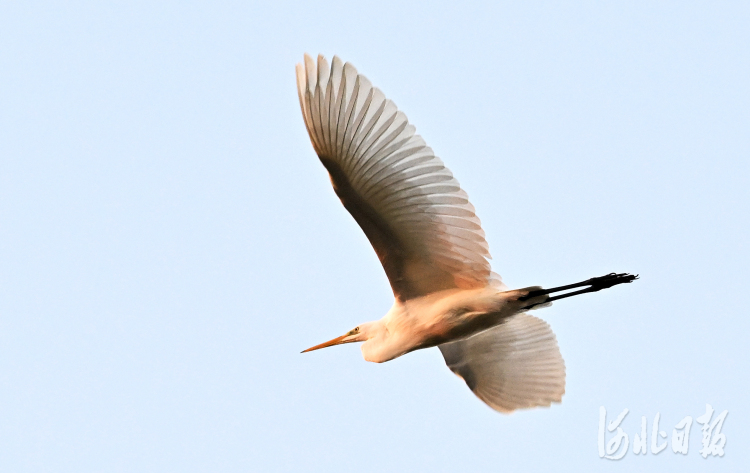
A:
(356, 329)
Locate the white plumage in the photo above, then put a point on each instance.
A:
(514, 365)
(432, 247)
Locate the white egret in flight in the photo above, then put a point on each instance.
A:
(432, 247)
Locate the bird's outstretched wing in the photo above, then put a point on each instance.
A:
(514, 365)
(420, 222)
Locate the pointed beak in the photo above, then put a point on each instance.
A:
(330, 343)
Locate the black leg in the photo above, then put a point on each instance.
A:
(595, 284)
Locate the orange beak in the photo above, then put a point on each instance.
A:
(330, 343)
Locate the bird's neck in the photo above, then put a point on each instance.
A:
(380, 345)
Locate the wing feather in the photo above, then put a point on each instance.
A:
(515, 365)
(419, 221)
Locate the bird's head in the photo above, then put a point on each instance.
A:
(360, 333)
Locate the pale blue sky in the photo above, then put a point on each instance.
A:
(169, 241)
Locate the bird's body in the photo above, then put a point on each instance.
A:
(437, 318)
(432, 248)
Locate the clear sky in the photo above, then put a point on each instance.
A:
(169, 241)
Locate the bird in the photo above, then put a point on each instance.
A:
(431, 245)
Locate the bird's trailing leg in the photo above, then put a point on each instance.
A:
(594, 284)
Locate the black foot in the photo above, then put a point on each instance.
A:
(595, 284)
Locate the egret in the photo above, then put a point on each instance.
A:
(432, 248)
